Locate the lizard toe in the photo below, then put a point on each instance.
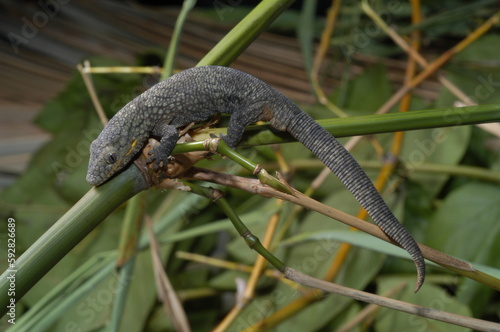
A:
(151, 158)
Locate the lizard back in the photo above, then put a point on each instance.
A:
(197, 94)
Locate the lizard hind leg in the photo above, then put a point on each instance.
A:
(239, 120)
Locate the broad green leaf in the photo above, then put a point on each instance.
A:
(467, 226)
(445, 146)
(418, 209)
(368, 91)
(483, 51)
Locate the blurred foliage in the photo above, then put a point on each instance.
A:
(455, 214)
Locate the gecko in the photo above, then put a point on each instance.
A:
(197, 94)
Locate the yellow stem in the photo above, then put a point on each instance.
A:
(331, 18)
(436, 64)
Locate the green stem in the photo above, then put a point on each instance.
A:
(384, 123)
(249, 165)
(447, 169)
(455, 170)
(252, 241)
(365, 125)
(119, 302)
(245, 32)
(168, 66)
(225, 150)
(131, 228)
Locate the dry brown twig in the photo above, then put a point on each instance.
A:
(255, 187)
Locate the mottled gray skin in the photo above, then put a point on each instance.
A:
(197, 94)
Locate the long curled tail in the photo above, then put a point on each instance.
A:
(341, 163)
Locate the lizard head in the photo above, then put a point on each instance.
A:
(110, 152)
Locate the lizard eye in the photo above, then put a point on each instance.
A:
(111, 158)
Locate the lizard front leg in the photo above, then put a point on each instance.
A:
(169, 137)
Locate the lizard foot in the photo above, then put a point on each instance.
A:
(159, 157)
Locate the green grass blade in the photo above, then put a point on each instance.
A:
(305, 33)
(129, 240)
(168, 66)
(57, 302)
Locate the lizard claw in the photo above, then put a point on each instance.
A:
(157, 156)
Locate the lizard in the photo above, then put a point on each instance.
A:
(198, 93)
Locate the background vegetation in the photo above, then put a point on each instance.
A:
(442, 183)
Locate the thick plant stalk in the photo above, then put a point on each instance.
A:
(68, 231)
(243, 34)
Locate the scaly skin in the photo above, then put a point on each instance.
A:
(195, 95)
